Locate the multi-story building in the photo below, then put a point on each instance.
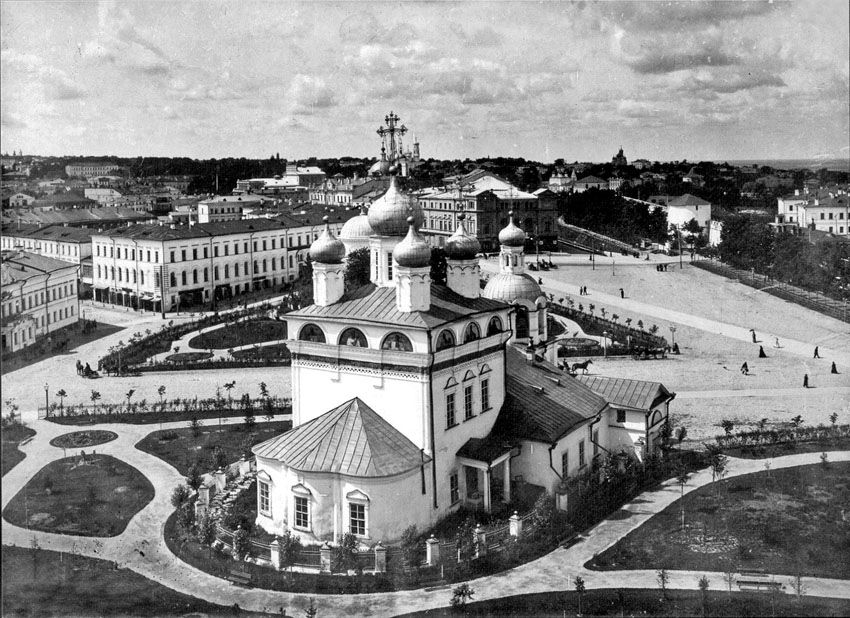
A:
(58, 242)
(486, 199)
(336, 191)
(39, 296)
(589, 182)
(99, 218)
(826, 211)
(93, 168)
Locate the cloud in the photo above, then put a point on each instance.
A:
(650, 16)
(731, 82)
(660, 55)
(481, 37)
(307, 94)
(55, 83)
(11, 121)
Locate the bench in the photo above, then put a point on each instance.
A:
(757, 581)
(240, 577)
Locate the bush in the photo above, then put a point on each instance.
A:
(179, 496)
(345, 554)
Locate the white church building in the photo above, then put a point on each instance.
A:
(412, 398)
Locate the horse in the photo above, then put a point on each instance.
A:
(582, 366)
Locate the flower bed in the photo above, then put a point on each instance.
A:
(239, 334)
(188, 357)
(83, 439)
(594, 325)
(275, 352)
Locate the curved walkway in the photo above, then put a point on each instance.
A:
(142, 548)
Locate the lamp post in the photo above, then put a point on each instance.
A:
(605, 343)
(673, 336)
(46, 400)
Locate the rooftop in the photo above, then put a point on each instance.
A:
(351, 439)
(688, 200)
(624, 393)
(23, 265)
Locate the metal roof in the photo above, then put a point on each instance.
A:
(351, 439)
(626, 393)
(378, 305)
(542, 402)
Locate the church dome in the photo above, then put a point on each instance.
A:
(388, 214)
(512, 236)
(460, 245)
(413, 251)
(381, 167)
(326, 249)
(508, 287)
(357, 227)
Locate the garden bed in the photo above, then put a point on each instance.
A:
(239, 334)
(785, 521)
(181, 449)
(12, 433)
(188, 357)
(93, 496)
(274, 352)
(83, 439)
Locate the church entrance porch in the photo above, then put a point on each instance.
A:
(486, 473)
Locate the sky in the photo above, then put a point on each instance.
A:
(540, 80)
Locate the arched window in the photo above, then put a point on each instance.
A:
(446, 339)
(311, 332)
(195, 275)
(142, 277)
(183, 277)
(353, 337)
(471, 333)
(206, 274)
(494, 326)
(173, 280)
(521, 322)
(397, 341)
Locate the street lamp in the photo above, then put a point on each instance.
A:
(605, 343)
(673, 336)
(46, 399)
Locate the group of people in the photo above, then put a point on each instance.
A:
(85, 371)
(582, 291)
(662, 268)
(745, 369)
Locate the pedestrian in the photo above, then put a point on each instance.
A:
(745, 369)
(805, 380)
(754, 336)
(622, 293)
(761, 352)
(834, 369)
(816, 353)
(776, 343)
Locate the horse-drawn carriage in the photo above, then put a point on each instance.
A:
(647, 353)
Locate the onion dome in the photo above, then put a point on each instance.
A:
(460, 245)
(388, 214)
(512, 236)
(510, 287)
(381, 167)
(413, 251)
(357, 228)
(326, 249)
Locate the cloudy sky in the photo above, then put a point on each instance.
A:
(695, 80)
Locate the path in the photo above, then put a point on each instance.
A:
(553, 572)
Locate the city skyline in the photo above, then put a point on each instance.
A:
(753, 80)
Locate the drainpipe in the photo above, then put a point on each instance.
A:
(552, 448)
(46, 303)
(431, 420)
(212, 275)
(136, 274)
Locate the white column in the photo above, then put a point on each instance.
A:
(487, 489)
(507, 480)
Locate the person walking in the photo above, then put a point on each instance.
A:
(761, 352)
(622, 293)
(745, 369)
(776, 343)
(834, 369)
(754, 335)
(816, 355)
(805, 380)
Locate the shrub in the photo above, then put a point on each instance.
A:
(345, 554)
(179, 496)
(460, 595)
(241, 544)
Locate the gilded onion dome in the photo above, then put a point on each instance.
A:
(357, 227)
(326, 249)
(413, 251)
(512, 236)
(388, 214)
(460, 245)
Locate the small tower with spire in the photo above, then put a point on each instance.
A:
(512, 255)
(463, 272)
(412, 257)
(327, 253)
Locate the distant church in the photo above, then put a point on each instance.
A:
(412, 398)
(619, 159)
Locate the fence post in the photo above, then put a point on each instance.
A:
(515, 525)
(274, 546)
(220, 479)
(432, 551)
(480, 541)
(325, 557)
(380, 558)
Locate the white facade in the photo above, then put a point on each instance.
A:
(826, 212)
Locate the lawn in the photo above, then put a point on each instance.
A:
(180, 448)
(45, 583)
(11, 435)
(786, 521)
(645, 602)
(41, 350)
(83, 439)
(277, 351)
(95, 497)
(241, 333)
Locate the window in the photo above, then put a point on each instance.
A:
(621, 416)
(182, 255)
(454, 488)
(353, 337)
(450, 410)
(149, 255)
(467, 403)
(495, 326)
(215, 251)
(183, 277)
(357, 519)
(565, 464)
(172, 256)
(397, 341)
(255, 245)
(226, 250)
(142, 277)
(264, 245)
(472, 333)
(389, 265)
(194, 276)
(206, 253)
(173, 280)
(821, 215)
(246, 248)
(264, 496)
(227, 271)
(302, 512)
(311, 332)
(215, 272)
(446, 339)
(595, 442)
(206, 275)
(581, 453)
(485, 395)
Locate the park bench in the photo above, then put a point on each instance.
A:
(757, 581)
(240, 577)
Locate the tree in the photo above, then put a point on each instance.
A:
(312, 611)
(833, 418)
(229, 387)
(727, 426)
(681, 433)
(129, 395)
(195, 426)
(95, 397)
(460, 595)
(62, 394)
(290, 548)
(682, 478)
(703, 587)
(653, 329)
(466, 541)
(717, 461)
(219, 458)
(179, 495)
(544, 515)
(640, 324)
(797, 421)
(798, 586)
(249, 412)
(663, 578)
(345, 554)
(161, 392)
(241, 544)
(206, 531)
(194, 476)
(411, 546)
(578, 582)
(357, 273)
(438, 266)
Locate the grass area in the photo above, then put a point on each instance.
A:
(97, 497)
(785, 521)
(646, 602)
(210, 417)
(11, 434)
(188, 357)
(38, 582)
(72, 336)
(241, 333)
(788, 448)
(180, 448)
(277, 351)
(83, 439)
